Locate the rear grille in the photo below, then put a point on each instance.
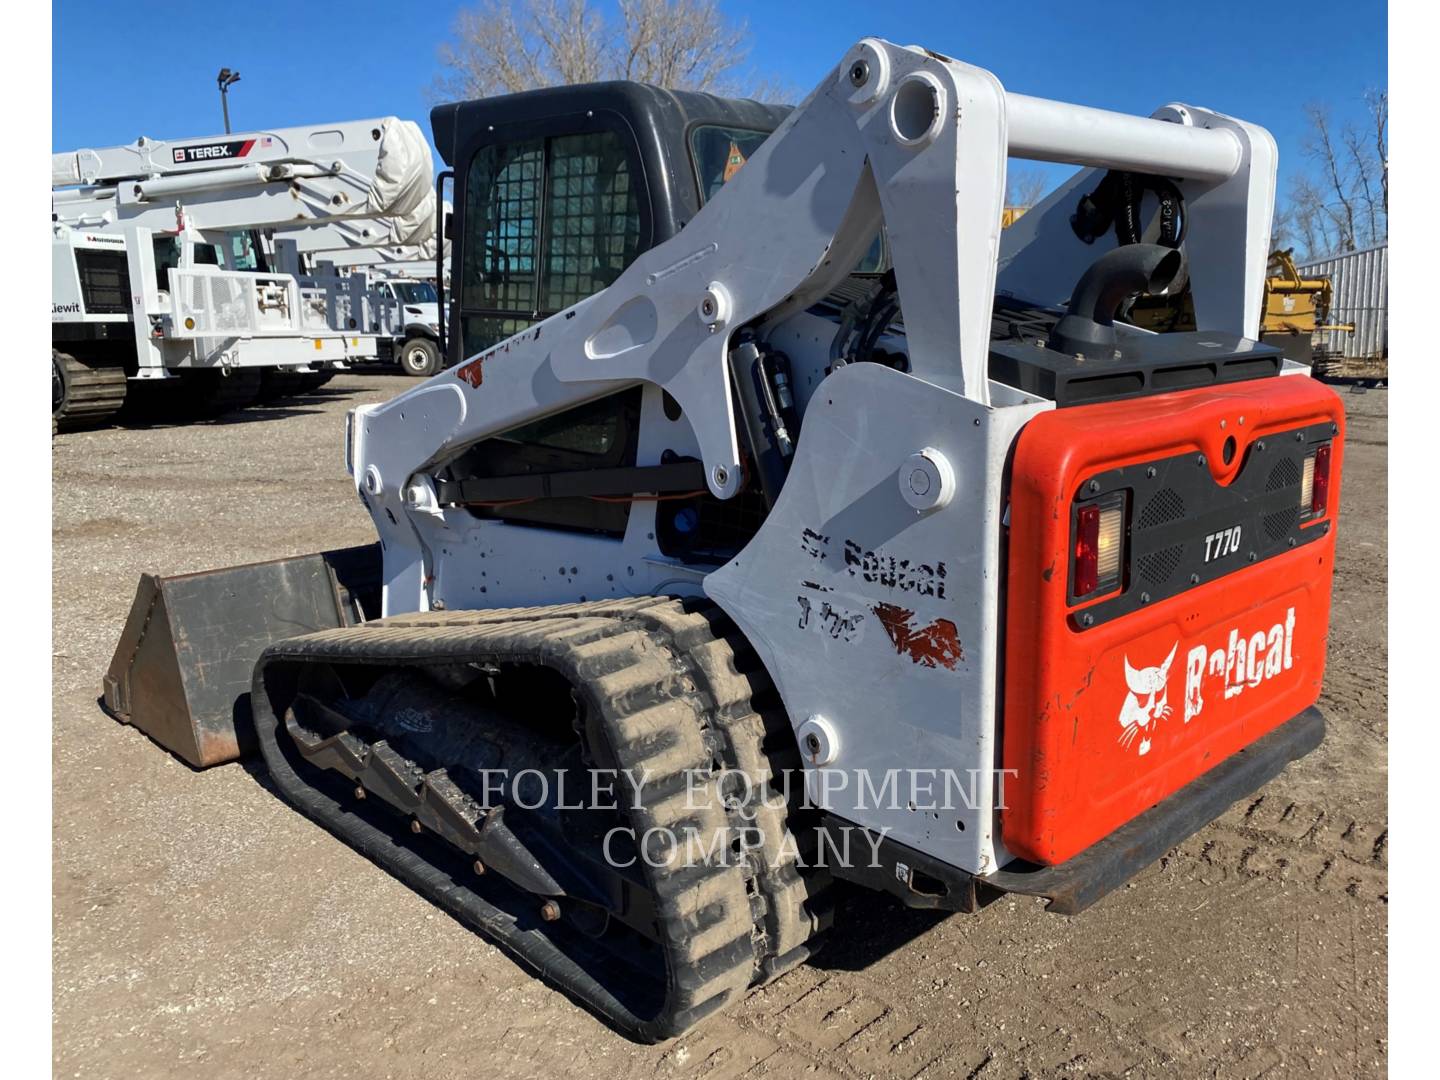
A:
(1279, 524)
(1286, 473)
(1158, 567)
(1164, 506)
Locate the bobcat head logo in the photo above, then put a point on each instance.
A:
(1145, 705)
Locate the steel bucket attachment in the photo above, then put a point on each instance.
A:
(183, 667)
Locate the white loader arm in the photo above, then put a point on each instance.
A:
(899, 135)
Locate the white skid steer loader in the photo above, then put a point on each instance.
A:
(781, 521)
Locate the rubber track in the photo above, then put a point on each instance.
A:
(94, 393)
(674, 687)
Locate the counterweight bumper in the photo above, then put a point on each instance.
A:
(921, 881)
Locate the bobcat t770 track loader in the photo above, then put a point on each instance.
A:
(717, 568)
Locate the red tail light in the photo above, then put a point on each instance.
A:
(1315, 484)
(1320, 493)
(1099, 546)
(1087, 550)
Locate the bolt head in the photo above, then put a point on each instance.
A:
(550, 911)
(416, 827)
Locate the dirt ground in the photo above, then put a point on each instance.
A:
(201, 927)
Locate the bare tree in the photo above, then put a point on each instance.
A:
(682, 44)
(1379, 102)
(504, 46)
(1025, 187)
(1319, 147)
(1344, 203)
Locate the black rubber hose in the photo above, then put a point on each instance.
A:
(1088, 326)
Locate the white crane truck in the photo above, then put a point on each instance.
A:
(940, 566)
(159, 264)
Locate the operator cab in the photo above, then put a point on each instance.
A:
(558, 190)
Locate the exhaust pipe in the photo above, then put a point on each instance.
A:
(1088, 326)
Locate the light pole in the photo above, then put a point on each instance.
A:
(225, 80)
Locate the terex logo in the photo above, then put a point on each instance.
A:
(1244, 663)
(213, 151)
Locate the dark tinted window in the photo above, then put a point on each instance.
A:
(720, 152)
(502, 225)
(592, 218)
(548, 222)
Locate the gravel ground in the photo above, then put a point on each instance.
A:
(201, 927)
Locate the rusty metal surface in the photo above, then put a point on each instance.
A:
(182, 668)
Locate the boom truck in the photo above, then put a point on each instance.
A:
(160, 270)
(936, 579)
(403, 307)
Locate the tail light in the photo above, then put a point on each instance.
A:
(1315, 483)
(1099, 547)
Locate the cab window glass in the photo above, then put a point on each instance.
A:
(592, 218)
(720, 152)
(167, 255)
(502, 220)
(548, 222)
(241, 252)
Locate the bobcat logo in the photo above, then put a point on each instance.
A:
(1146, 705)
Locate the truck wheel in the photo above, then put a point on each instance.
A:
(420, 357)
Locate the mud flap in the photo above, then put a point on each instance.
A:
(183, 667)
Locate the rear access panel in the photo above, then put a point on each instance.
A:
(1214, 632)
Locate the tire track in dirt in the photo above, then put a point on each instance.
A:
(1295, 843)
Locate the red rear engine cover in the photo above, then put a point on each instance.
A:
(1102, 721)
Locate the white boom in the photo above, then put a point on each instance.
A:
(198, 206)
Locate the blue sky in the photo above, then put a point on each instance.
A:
(144, 67)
